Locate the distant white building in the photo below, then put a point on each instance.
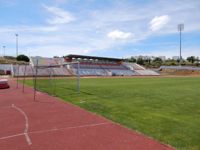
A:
(162, 57)
(150, 57)
(144, 57)
(175, 57)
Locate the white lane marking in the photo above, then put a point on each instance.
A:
(54, 129)
(10, 106)
(11, 136)
(26, 124)
(67, 128)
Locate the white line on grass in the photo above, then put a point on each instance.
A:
(26, 124)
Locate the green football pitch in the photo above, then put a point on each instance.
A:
(167, 109)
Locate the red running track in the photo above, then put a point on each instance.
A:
(51, 124)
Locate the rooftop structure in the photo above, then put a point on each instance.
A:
(88, 66)
(44, 61)
(72, 57)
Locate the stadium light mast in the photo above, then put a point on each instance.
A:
(180, 29)
(4, 51)
(16, 44)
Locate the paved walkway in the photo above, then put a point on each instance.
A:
(51, 124)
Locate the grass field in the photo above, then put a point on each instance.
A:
(167, 109)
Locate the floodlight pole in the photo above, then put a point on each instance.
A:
(16, 44)
(4, 51)
(180, 28)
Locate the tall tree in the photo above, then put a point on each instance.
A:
(191, 59)
(140, 61)
(23, 58)
(158, 60)
(132, 59)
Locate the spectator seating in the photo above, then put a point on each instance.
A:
(139, 70)
(102, 69)
(42, 61)
(133, 66)
(5, 69)
(118, 72)
(146, 72)
(54, 67)
(30, 71)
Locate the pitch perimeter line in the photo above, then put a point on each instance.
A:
(28, 140)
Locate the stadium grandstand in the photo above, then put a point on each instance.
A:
(48, 66)
(6, 69)
(88, 66)
(103, 66)
(43, 61)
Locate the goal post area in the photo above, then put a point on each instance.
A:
(63, 77)
(59, 77)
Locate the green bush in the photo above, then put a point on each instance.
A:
(23, 58)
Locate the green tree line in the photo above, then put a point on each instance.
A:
(157, 62)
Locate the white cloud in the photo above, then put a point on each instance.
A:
(159, 22)
(92, 27)
(117, 34)
(34, 29)
(60, 16)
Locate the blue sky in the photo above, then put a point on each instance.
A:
(112, 28)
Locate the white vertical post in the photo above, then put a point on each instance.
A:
(24, 77)
(17, 74)
(35, 81)
(78, 78)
